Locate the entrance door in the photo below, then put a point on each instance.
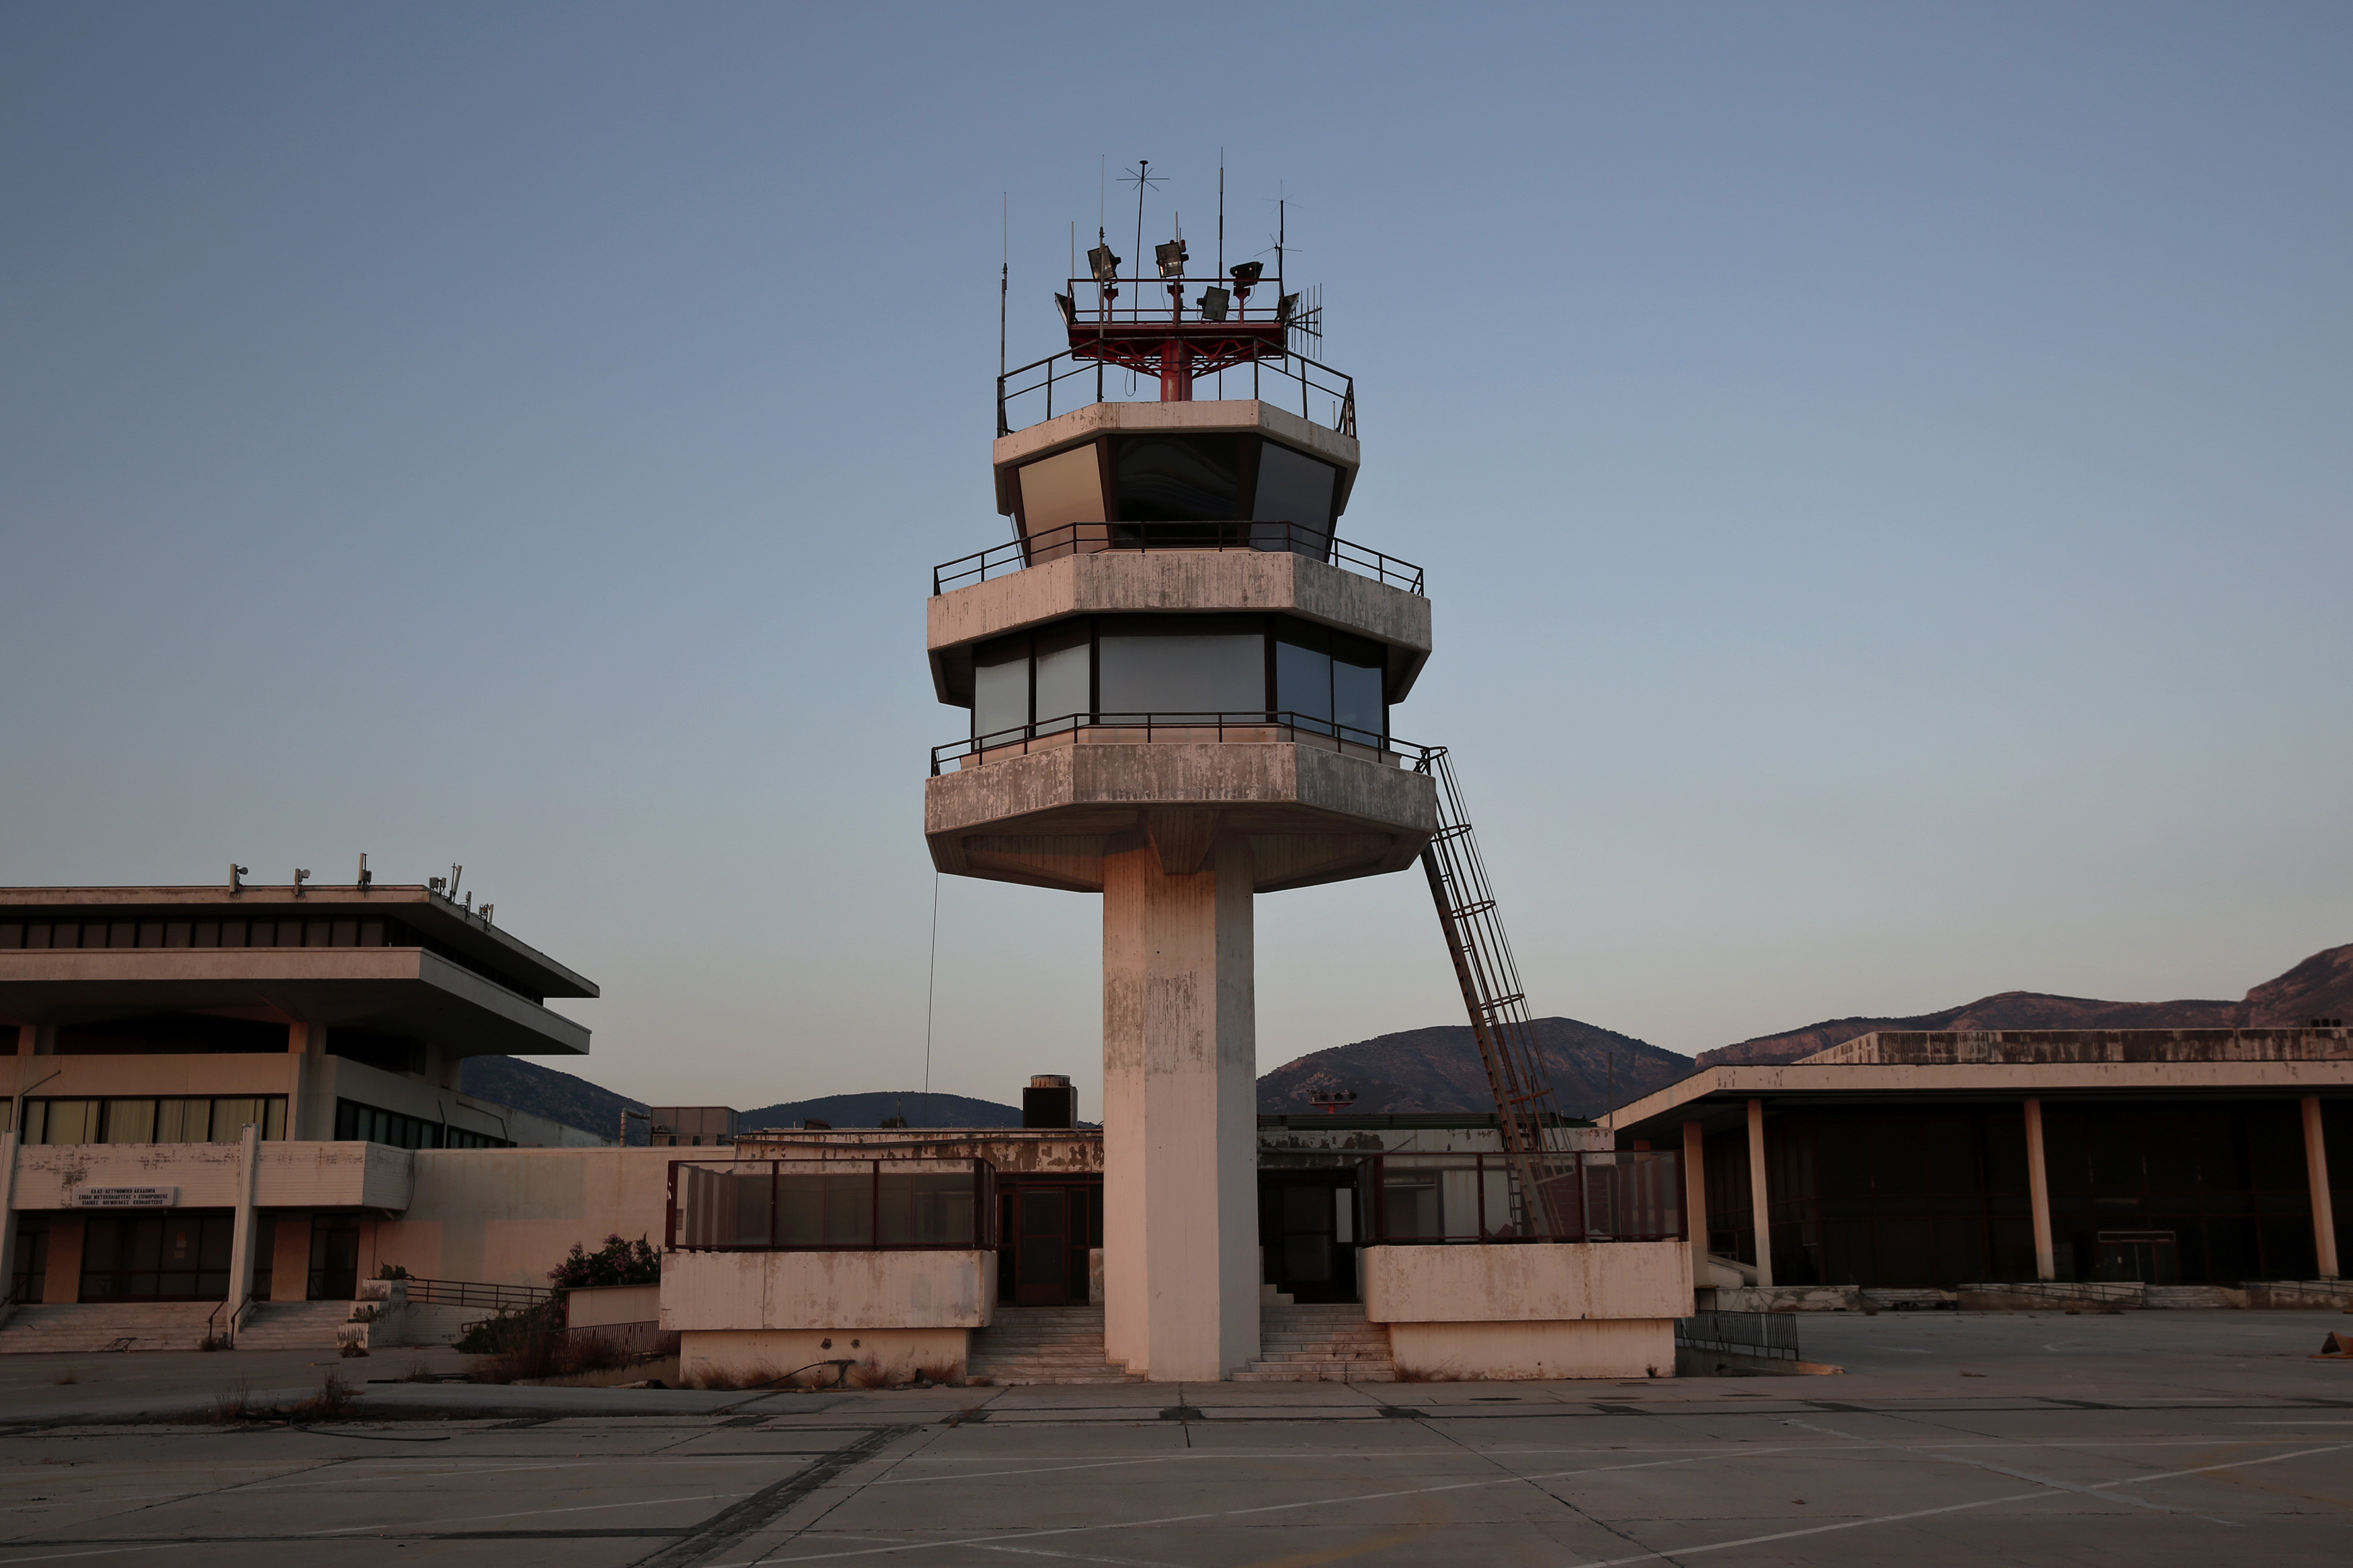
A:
(168, 1258)
(1307, 1232)
(2150, 1256)
(1041, 1247)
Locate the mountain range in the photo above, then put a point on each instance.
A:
(1436, 1068)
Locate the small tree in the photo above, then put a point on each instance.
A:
(618, 1262)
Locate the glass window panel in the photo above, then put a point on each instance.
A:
(1358, 705)
(1294, 487)
(71, 1121)
(130, 1122)
(1208, 672)
(1000, 686)
(273, 1114)
(1179, 478)
(1303, 681)
(229, 1117)
(1065, 673)
(1063, 489)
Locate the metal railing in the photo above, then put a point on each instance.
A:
(1773, 1335)
(1090, 537)
(832, 1205)
(1284, 379)
(474, 1293)
(1144, 728)
(1592, 1196)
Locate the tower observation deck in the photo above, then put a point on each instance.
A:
(1180, 678)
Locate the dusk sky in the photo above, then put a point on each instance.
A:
(1882, 473)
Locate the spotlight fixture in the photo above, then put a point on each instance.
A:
(1069, 308)
(1171, 258)
(1287, 307)
(1106, 265)
(1247, 273)
(1212, 304)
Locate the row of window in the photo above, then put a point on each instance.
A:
(142, 1119)
(222, 1120)
(1212, 476)
(230, 932)
(1176, 666)
(373, 1124)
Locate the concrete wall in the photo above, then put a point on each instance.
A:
(288, 1175)
(2003, 1047)
(591, 1306)
(1111, 582)
(509, 1215)
(1463, 1353)
(847, 1291)
(741, 1359)
(1530, 1282)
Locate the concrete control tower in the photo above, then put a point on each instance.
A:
(1180, 682)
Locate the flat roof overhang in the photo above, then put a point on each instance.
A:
(398, 990)
(442, 918)
(1717, 1098)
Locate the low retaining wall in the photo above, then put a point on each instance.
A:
(879, 1357)
(1494, 1351)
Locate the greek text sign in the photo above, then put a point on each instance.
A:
(125, 1197)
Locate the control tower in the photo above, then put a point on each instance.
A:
(1180, 682)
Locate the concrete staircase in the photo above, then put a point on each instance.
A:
(1319, 1343)
(292, 1326)
(1042, 1344)
(2193, 1297)
(153, 1326)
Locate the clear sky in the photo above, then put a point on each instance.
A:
(1882, 471)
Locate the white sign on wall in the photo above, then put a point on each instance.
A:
(125, 1197)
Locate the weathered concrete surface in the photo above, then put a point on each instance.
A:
(1307, 813)
(1108, 582)
(2025, 1047)
(742, 1358)
(286, 1175)
(706, 1292)
(593, 1306)
(1181, 1266)
(1530, 1281)
(509, 1215)
(1497, 1351)
(1084, 424)
(1014, 1150)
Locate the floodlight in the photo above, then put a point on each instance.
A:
(1171, 258)
(1247, 273)
(1069, 308)
(1106, 265)
(1212, 304)
(1287, 307)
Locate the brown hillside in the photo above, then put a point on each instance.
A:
(1438, 1068)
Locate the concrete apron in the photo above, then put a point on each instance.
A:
(1180, 1159)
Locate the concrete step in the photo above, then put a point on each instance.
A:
(1322, 1343)
(294, 1325)
(100, 1326)
(1043, 1345)
(2192, 1297)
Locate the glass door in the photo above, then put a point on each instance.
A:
(1041, 1247)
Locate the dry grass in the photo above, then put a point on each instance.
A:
(552, 1354)
(419, 1373)
(333, 1399)
(233, 1402)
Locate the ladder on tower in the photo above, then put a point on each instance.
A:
(1547, 1196)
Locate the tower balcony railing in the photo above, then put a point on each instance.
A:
(1038, 391)
(1143, 729)
(1090, 538)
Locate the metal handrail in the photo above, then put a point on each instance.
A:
(1247, 726)
(686, 1229)
(474, 1293)
(1055, 369)
(1092, 538)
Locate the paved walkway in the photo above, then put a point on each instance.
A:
(2146, 1439)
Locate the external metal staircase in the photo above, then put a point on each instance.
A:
(1546, 1200)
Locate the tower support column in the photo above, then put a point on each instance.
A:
(1181, 1266)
